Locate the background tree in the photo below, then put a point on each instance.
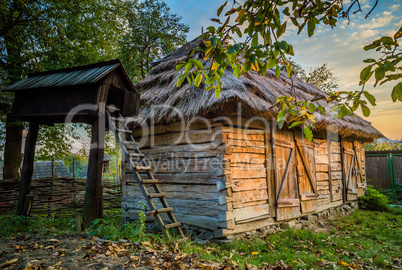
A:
(154, 31)
(38, 35)
(322, 76)
(381, 144)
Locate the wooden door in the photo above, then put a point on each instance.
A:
(286, 188)
(306, 175)
(352, 180)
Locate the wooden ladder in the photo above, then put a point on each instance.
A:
(142, 171)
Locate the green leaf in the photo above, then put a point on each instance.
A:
(277, 71)
(250, 28)
(196, 63)
(286, 11)
(311, 107)
(179, 66)
(365, 74)
(310, 27)
(237, 70)
(397, 92)
(343, 111)
(198, 80)
(370, 98)
(180, 81)
(281, 117)
(188, 67)
(369, 60)
(298, 123)
(213, 41)
(365, 110)
(220, 58)
(281, 30)
(307, 133)
(379, 73)
(283, 45)
(218, 13)
(321, 109)
(254, 42)
(271, 63)
(218, 89)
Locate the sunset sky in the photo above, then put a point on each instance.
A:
(341, 48)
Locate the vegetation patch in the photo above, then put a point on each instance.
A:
(362, 240)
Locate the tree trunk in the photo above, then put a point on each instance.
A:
(12, 149)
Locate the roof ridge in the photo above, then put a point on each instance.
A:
(70, 69)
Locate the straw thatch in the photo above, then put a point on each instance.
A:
(256, 93)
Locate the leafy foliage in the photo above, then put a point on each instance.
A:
(394, 195)
(385, 68)
(263, 24)
(43, 35)
(111, 229)
(55, 142)
(154, 31)
(383, 145)
(374, 200)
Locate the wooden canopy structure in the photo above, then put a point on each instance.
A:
(78, 94)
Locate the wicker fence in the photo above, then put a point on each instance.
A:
(384, 168)
(57, 195)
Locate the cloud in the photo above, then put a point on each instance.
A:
(377, 22)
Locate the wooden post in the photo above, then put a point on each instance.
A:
(27, 167)
(74, 174)
(53, 169)
(330, 169)
(344, 188)
(93, 205)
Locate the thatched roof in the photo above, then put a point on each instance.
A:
(258, 95)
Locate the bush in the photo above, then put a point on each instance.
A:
(374, 200)
(394, 195)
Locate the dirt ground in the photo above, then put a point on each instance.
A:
(75, 252)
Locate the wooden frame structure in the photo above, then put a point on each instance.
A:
(71, 95)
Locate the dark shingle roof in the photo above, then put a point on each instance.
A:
(74, 76)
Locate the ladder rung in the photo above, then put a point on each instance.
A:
(164, 210)
(156, 195)
(113, 108)
(127, 131)
(143, 168)
(130, 143)
(172, 225)
(137, 155)
(150, 181)
(116, 119)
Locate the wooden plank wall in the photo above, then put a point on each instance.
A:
(328, 173)
(189, 174)
(247, 196)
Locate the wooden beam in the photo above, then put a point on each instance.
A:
(330, 169)
(27, 167)
(93, 204)
(269, 165)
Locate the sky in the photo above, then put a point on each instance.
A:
(341, 48)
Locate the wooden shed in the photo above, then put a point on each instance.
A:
(223, 163)
(78, 94)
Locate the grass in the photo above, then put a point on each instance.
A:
(365, 237)
(362, 238)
